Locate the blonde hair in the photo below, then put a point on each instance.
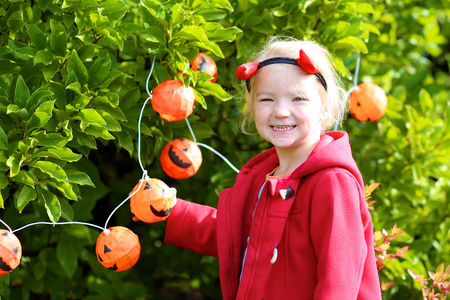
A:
(334, 99)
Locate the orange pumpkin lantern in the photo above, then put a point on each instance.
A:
(118, 248)
(203, 62)
(10, 251)
(173, 101)
(368, 102)
(181, 158)
(152, 200)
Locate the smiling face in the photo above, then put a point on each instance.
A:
(287, 107)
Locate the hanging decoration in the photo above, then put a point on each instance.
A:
(10, 251)
(173, 100)
(118, 248)
(368, 102)
(181, 158)
(152, 200)
(203, 62)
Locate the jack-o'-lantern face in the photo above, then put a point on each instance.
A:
(10, 252)
(368, 102)
(152, 200)
(173, 100)
(181, 158)
(118, 249)
(203, 62)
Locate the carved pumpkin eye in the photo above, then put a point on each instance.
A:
(173, 101)
(153, 201)
(10, 251)
(119, 249)
(368, 103)
(203, 62)
(181, 158)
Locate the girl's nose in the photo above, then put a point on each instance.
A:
(281, 110)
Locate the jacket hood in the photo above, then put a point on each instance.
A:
(333, 150)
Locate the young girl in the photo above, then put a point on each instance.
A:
(295, 224)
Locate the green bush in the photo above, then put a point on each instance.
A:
(73, 81)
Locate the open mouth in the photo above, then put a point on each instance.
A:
(282, 128)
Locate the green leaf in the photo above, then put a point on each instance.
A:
(58, 39)
(426, 103)
(65, 154)
(14, 109)
(50, 139)
(3, 140)
(99, 71)
(364, 8)
(51, 169)
(214, 48)
(25, 53)
(75, 65)
(40, 95)
(99, 132)
(67, 256)
(153, 34)
(213, 89)
(64, 187)
(14, 165)
(178, 15)
(114, 10)
(51, 202)
(192, 33)
(37, 120)
(3, 181)
(24, 178)
(78, 177)
(37, 36)
(22, 93)
(66, 210)
(89, 116)
(111, 123)
(351, 42)
(26, 195)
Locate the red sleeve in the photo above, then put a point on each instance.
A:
(337, 233)
(193, 227)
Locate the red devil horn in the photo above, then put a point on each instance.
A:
(305, 63)
(247, 70)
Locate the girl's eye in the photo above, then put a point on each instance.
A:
(300, 99)
(265, 100)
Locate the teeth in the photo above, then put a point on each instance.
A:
(282, 128)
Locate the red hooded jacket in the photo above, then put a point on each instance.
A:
(309, 235)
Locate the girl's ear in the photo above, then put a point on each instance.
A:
(323, 114)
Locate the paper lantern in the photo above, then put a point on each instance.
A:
(368, 102)
(181, 158)
(203, 62)
(10, 251)
(173, 101)
(152, 200)
(118, 248)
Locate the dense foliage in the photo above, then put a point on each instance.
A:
(73, 81)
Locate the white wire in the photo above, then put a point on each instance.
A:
(190, 129)
(59, 223)
(220, 155)
(144, 177)
(4, 223)
(355, 87)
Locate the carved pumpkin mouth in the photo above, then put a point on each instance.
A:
(177, 160)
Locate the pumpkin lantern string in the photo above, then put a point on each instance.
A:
(145, 176)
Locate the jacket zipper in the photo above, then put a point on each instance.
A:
(263, 221)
